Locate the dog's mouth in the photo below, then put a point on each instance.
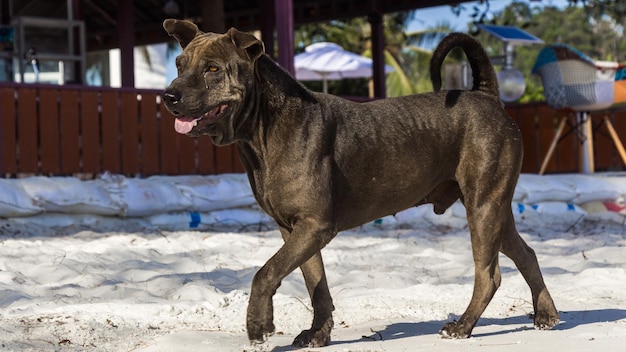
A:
(184, 124)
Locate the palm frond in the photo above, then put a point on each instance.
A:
(398, 84)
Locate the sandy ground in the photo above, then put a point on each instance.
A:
(118, 285)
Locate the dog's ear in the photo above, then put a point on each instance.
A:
(252, 46)
(183, 31)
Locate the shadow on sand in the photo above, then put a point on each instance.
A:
(569, 320)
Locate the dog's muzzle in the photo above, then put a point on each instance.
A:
(172, 97)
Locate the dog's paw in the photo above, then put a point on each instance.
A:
(455, 330)
(258, 333)
(546, 321)
(310, 338)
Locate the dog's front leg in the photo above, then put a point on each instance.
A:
(322, 302)
(306, 239)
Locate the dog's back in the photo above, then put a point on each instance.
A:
(426, 138)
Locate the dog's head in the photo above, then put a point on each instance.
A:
(215, 73)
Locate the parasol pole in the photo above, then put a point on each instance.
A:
(324, 82)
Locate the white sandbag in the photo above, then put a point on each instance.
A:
(414, 214)
(81, 222)
(208, 193)
(556, 208)
(525, 215)
(458, 210)
(143, 197)
(605, 207)
(590, 188)
(58, 220)
(14, 201)
(424, 214)
(386, 220)
(69, 195)
(544, 188)
(178, 220)
(520, 194)
(521, 208)
(242, 217)
(618, 182)
(196, 220)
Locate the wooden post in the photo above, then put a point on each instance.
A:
(77, 14)
(616, 140)
(4, 12)
(284, 31)
(126, 33)
(268, 23)
(212, 16)
(555, 141)
(586, 151)
(375, 19)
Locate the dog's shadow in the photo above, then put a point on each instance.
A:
(569, 320)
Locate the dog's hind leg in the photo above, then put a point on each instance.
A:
(485, 233)
(514, 247)
(315, 278)
(487, 183)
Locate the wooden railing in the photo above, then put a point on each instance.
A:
(64, 130)
(538, 123)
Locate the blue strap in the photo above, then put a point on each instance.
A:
(195, 219)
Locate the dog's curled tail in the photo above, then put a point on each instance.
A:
(482, 71)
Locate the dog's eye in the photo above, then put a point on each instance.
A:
(212, 69)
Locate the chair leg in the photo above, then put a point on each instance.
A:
(616, 139)
(555, 141)
(587, 165)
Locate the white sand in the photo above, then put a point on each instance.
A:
(117, 285)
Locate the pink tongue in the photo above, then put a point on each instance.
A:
(183, 126)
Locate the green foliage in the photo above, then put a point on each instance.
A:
(410, 62)
(594, 29)
(615, 9)
(355, 35)
(352, 35)
(600, 38)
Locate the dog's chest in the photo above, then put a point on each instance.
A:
(286, 190)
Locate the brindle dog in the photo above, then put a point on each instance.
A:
(319, 164)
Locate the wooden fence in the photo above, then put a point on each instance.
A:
(538, 123)
(64, 130)
(58, 130)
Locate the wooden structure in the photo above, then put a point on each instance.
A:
(538, 123)
(125, 24)
(75, 130)
(63, 130)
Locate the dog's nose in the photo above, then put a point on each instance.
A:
(172, 97)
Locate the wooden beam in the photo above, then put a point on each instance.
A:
(375, 19)
(212, 16)
(101, 12)
(616, 140)
(284, 31)
(268, 23)
(4, 13)
(126, 33)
